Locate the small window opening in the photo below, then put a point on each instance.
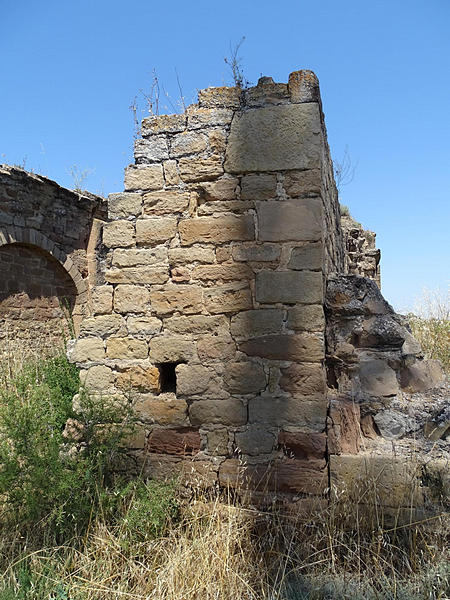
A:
(167, 377)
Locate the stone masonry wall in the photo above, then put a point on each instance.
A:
(210, 318)
(48, 239)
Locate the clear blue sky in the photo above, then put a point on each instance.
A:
(69, 71)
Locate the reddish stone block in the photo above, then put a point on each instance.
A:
(183, 441)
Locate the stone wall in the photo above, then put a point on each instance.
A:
(48, 261)
(211, 314)
(362, 257)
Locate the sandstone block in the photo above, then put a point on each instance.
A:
(255, 323)
(421, 376)
(126, 348)
(131, 299)
(244, 378)
(258, 186)
(344, 426)
(266, 92)
(223, 272)
(217, 139)
(118, 234)
(228, 299)
(308, 256)
(207, 117)
(156, 230)
(103, 326)
(138, 275)
(192, 379)
(98, 378)
(256, 253)
(223, 254)
(220, 97)
(289, 287)
(102, 296)
(215, 208)
(306, 318)
(171, 349)
(154, 149)
(228, 411)
(303, 183)
(188, 142)
(142, 379)
(275, 138)
(139, 257)
(310, 415)
(171, 174)
(143, 326)
(197, 324)
(149, 177)
(297, 347)
(304, 378)
(165, 202)
(200, 169)
(217, 442)
(183, 256)
(377, 378)
(183, 441)
(304, 86)
(178, 298)
(254, 441)
(217, 229)
(216, 347)
(164, 409)
(157, 124)
(124, 205)
(222, 189)
(303, 445)
(90, 349)
(290, 220)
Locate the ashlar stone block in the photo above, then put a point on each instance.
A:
(185, 299)
(289, 287)
(149, 177)
(215, 230)
(119, 234)
(155, 231)
(165, 202)
(296, 347)
(244, 378)
(131, 299)
(124, 205)
(290, 220)
(126, 348)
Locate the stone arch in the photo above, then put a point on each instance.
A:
(39, 283)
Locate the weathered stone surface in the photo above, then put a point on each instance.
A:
(306, 318)
(303, 445)
(126, 348)
(244, 378)
(216, 347)
(258, 186)
(222, 189)
(216, 229)
(157, 124)
(171, 174)
(254, 441)
(220, 97)
(303, 378)
(201, 117)
(395, 480)
(309, 256)
(344, 429)
(154, 149)
(276, 138)
(392, 424)
(90, 349)
(200, 169)
(290, 220)
(217, 442)
(143, 326)
(303, 86)
(229, 411)
(191, 255)
(131, 299)
(156, 230)
(197, 324)
(224, 206)
(192, 379)
(223, 272)
(296, 347)
(102, 298)
(124, 205)
(118, 234)
(142, 379)
(149, 177)
(228, 299)
(103, 326)
(289, 287)
(182, 441)
(377, 378)
(138, 275)
(98, 378)
(178, 298)
(421, 376)
(255, 323)
(171, 349)
(256, 253)
(188, 142)
(303, 183)
(164, 409)
(139, 257)
(266, 92)
(165, 202)
(276, 412)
